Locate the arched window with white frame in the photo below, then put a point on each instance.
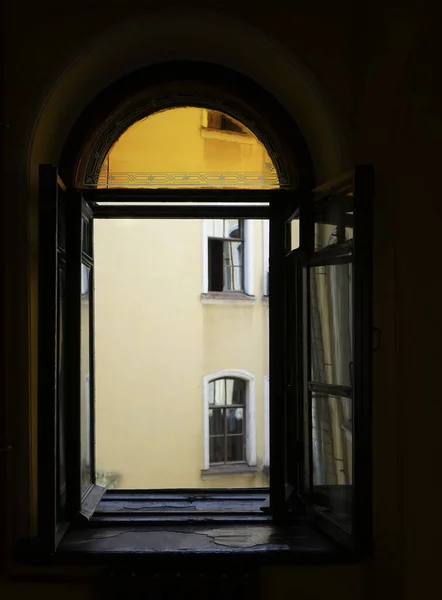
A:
(229, 419)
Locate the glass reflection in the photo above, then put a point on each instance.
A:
(233, 266)
(294, 234)
(235, 448)
(332, 442)
(331, 316)
(334, 222)
(85, 392)
(216, 449)
(234, 420)
(216, 422)
(61, 399)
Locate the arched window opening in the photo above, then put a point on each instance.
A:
(227, 423)
(150, 167)
(187, 147)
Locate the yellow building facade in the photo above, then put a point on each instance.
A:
(181, 315)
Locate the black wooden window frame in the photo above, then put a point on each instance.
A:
(66, 215)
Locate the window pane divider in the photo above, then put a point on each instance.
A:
(333, 251)
(180, 212)
(187, 195)
(330, 261)
(330, 389)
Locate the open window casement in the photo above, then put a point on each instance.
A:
(320, 347)
(67, 489)
(84, 494)
(329, 355)
(53, 515)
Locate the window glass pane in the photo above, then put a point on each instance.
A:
(236, 252)
(235, 448)
(331, 318)
(175, 148)
(240, 392)
(161, 352)
(229, 390)
(85, 392)
(232, 228)
(294, 234)
(216, 449)
(235, 391)
(266, 422)
(233, 279)
(216, 421)
(219, 391)
(334, 221)
(61, 399)
(349, 225)
(235, 420)
(332, 455)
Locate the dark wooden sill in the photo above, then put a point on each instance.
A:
(147, 548)
(142, 531)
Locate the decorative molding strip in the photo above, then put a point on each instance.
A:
(191, 179)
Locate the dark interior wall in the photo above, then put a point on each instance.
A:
(381, 99)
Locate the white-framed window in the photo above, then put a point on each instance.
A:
(229, 424)
(227, 256)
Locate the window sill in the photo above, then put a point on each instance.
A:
(238, 469)
(146, 532)
(145, 549)
(227, 298)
